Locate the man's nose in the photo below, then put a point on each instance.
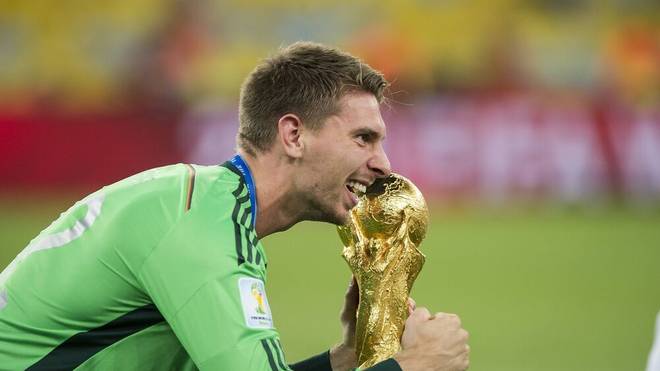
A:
(380, 164)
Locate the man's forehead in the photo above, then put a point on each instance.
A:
(363, 109)
(359, 100)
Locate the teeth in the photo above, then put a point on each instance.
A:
(358, 188)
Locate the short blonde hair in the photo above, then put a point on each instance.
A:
(306, 79)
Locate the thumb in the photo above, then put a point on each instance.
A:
(352, 293)
(351, 301)
(411, 306)
(419, 315)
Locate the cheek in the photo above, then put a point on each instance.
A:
(328, 189)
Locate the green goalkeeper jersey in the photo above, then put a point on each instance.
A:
(162, 270)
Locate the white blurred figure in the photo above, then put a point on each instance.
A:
(654, 356)
(207, 131)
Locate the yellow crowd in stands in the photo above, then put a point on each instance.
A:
(89, 52)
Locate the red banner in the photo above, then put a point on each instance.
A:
(46, 152)
(494, 148)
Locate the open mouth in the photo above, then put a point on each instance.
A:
(356, 188)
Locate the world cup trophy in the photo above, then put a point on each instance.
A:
(381, 240)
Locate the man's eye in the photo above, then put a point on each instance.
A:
(363, 138)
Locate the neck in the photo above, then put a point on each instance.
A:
(277, 209)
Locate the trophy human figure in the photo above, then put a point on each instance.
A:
(381, 240)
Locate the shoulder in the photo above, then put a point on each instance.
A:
(177, 178)
(164, 177)
(215, 187)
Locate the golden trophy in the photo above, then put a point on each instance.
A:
(381, 240)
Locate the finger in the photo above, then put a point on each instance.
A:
(466, 358)
(449, 317)
(421, 314)
(465, 364)
(411, 306)
(351, 283)
(351, 301)
(353, 291)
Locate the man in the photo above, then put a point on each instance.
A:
(653, 363)
(165, 269)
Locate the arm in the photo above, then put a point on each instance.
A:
(428, 342)
(322, 362)
(342, 356)
(194, 279)
(435, 342)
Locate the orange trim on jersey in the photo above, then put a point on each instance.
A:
(191, 185)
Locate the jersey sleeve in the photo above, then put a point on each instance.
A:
(389, 364)
(212, 302)
(321, 362)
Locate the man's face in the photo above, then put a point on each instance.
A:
(342, 158)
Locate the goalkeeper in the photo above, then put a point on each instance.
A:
(165, 270)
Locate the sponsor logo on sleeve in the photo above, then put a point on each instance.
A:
(255, 304)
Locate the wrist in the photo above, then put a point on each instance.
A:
(404, 360)
(342, 357)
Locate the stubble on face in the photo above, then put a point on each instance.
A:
(323, 211)
(334, 156)
(322, 181)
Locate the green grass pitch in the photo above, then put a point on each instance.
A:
(537, 290)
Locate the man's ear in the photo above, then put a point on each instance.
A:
(289, 133)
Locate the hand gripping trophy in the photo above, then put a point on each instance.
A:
(381, 240)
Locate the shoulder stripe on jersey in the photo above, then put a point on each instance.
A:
(249, 248)
(278, 353)
(242, 229)
(238, 191)
(79, 348)
(269, 353)
(246, 213)
(191, 185)
(252, 243)
(238, 240)
(238, 231)
(282, 351)
(244, 199)
(232, 167)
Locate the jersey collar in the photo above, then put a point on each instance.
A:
(243, 167)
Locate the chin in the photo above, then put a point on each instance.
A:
(325, 212)
(343, 216)
(337, 217)
(341, 219)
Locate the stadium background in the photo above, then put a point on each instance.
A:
(533, 127)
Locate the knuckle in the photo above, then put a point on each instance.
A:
(449, 318)
(464, 334)
(422, 312)
(442, 316)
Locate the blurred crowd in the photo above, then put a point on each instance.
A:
(590, 64)
(102, 55)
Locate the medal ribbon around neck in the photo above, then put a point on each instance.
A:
(243, 167)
